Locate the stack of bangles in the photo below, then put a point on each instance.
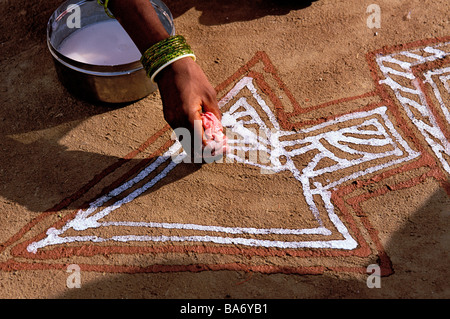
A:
(161, 54)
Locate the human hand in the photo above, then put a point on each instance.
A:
(186, 93)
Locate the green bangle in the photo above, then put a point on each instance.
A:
(104, 3)
(165, 52)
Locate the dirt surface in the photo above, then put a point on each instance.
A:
(362, 177)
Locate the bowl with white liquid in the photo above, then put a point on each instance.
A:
(94, 57)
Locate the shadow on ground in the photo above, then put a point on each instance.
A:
(33, 100)
(217, 12)
(411, 249)
(37, 112)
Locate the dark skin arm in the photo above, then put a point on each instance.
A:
(184, 88)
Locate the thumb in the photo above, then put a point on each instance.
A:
(211, 105)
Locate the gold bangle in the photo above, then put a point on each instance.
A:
(165, 52)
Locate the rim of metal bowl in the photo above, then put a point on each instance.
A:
(92, 69)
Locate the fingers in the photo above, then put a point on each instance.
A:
(186, 94)
(210, 104)
(209, 142)
(195, 123)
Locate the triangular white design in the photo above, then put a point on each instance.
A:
(268, 139)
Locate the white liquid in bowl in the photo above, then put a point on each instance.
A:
(103, 43)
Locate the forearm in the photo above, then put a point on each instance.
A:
(184, 88)
(140, 20)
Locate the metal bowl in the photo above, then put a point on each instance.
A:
(101, 83)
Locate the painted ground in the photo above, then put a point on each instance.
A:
(340, 159)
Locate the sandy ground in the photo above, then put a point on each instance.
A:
(314, 66)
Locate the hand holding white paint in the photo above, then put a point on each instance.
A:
(216, 140)
(216, 145)
(383, 131)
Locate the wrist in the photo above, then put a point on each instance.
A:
(180, 66)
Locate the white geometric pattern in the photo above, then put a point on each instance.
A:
(374, 129)
(412, 98)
